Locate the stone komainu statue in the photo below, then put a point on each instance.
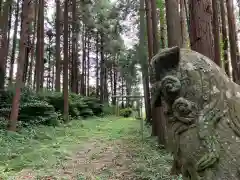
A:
(202, 109)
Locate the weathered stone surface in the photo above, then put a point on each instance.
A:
(203, 114)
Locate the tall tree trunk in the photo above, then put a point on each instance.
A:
(88, 66)
(97, 65)
(14, 44)
(19, 83)
(26, 60)
(154, 27)
(42, 60)
(114, 81)
(216, 32)
(162, 25)
(49, 65)
(158, 125)
(184, 33)
(111, 77)
(52, 77)
(83, 82)
(149, 29)
(32, 47)
(224, 37)
(9, 29)
(58, 56)
(233, 41)
(65, 66)
(173, 23)
(69, 56)
(105, 84)
(201, 38)
(39, 66)
(102, 69)
(142, 56)
(74, 49)
(155, 50)
(122, 91)
(3, 41)
(1, 2)
(150, 55)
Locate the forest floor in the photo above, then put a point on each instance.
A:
(94, 149)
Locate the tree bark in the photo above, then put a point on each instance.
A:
(39, 66)
(184, 32)
(224, 37)
(162, 26)
(105, 82)
(83, 82)
(58, 56)
(3, 41)
(88, 66)
(26, 64)
(201, 38)
(150, 55)
(19, 83)
(74, 52)
(216, 32)
(65, 66)
(32, 47)
(14, 44)
(102, 69)
(157, 121)
(154, 27)
(97, 65)
(9, 29)
(173, 23)
(233, 41)
(149, 29)
(114, 81)
(1, 1)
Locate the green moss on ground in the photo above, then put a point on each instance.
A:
(99, 148)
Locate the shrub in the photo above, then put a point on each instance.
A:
(108, 109)
(46, 108)
(93, 104)
(78, 105)
(126, 112)
(38, 112)
(3, 123)
(34, 113)
(6, 97)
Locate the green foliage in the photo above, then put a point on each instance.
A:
(126, 112)
(108, 109)
(152, 161)
(46, 108)
(78, 105)
(93, 104)
(32, 111)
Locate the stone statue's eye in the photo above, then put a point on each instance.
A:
(185, 110)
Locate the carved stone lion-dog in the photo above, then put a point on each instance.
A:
(202, 113)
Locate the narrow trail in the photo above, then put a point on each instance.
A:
(98, 159)
(108, 150)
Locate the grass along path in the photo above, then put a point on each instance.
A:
(95, 149)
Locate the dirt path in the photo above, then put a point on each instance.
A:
(114, 151)
(97, 160)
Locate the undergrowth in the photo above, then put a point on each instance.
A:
(42, 146)
(42, 149)
(46, 108)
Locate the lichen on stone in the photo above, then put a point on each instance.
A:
(203, 119)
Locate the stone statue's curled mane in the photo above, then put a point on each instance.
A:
(203, 107)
